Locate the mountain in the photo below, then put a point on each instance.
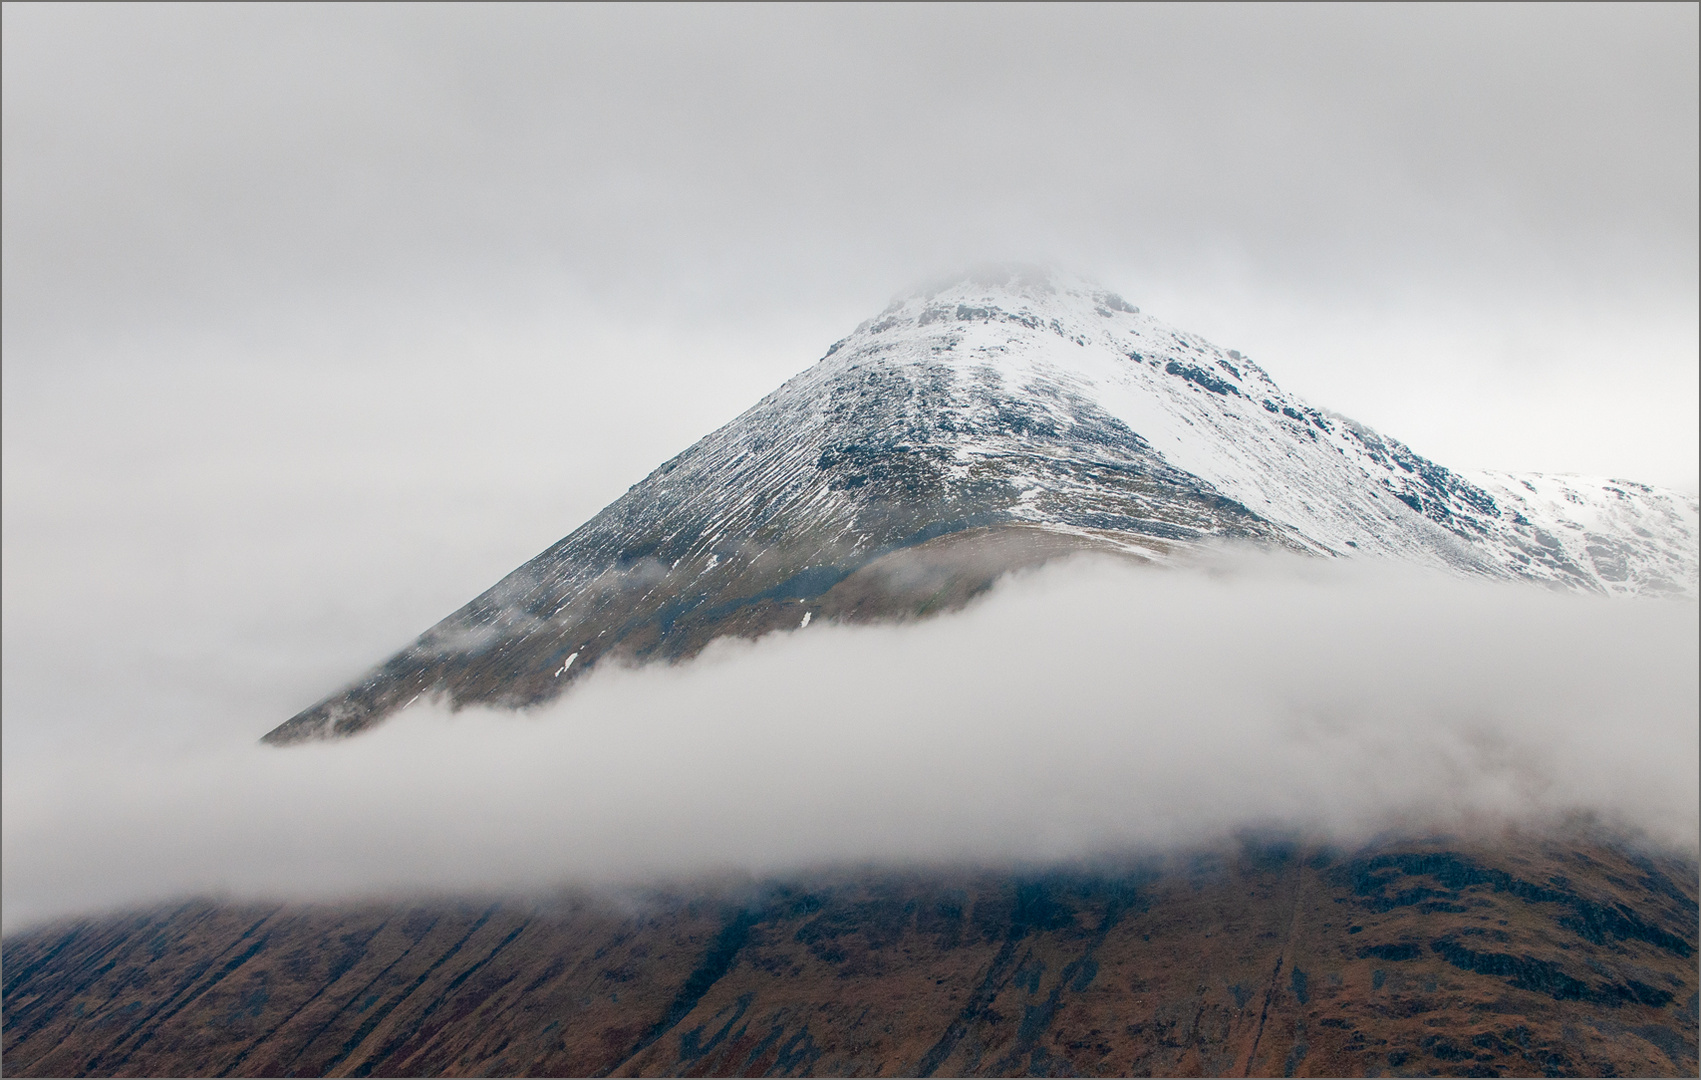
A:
(1518, 957)
(980, 426)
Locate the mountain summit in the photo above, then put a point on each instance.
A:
(991, 423)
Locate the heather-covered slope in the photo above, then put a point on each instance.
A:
(1030, 414)
(1444, 958)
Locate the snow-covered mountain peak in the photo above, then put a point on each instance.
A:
(989, 422)
(1073, 309)
(1335, 486)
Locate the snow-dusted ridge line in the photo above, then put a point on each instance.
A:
(1336, 485)
(1007, 400)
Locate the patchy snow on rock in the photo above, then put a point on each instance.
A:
(1008, 398)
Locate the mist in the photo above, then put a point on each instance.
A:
(1089, 708)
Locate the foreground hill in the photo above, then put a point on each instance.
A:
(1440, 958)
(981, 426)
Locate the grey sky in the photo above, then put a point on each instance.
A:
(317, 320)
(1472, 226)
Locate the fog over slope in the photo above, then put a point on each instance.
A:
(1090, 707)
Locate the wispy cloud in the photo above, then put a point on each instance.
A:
(1090, 707)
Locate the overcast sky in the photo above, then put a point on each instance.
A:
(319, 319)
(1474, 227)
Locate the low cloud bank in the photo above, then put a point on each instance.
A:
(1089, 707)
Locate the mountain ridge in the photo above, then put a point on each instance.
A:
(1013, 415)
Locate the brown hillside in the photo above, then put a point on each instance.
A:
(1441, 958)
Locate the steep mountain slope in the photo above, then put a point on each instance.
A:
(975, 428)
(1519, 958)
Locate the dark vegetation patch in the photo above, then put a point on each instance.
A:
(1395, 951)
(1546, 977)
(1377, 882)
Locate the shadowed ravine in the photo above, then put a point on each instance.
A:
(1442, 958)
